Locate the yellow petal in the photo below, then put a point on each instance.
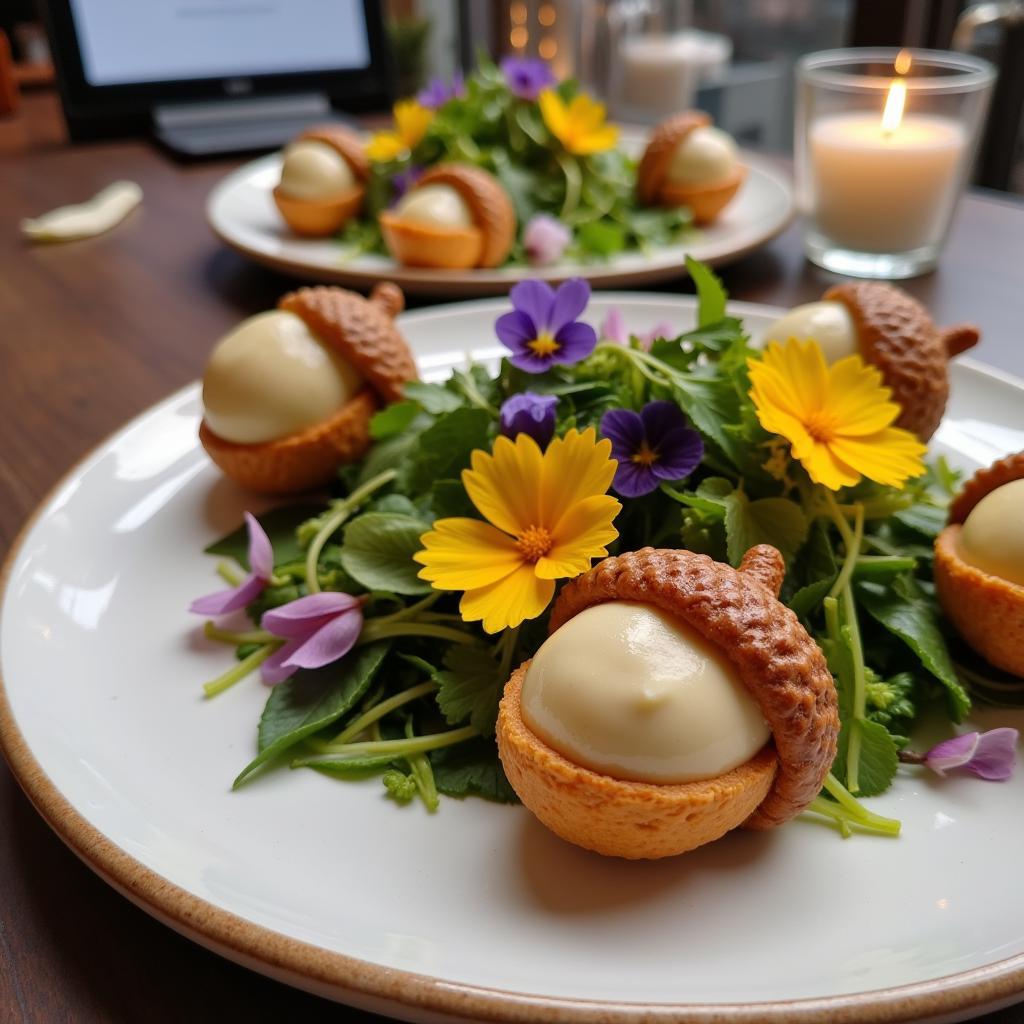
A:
(575, 468)
(506, 485)
(581, 535)
(890, 457)
(385, 146)
(459, 554)
(586, 113)
(825, 467)
(553, 111)
(857, 398)
(507, 603)
(771, 386)
(596, 141)
(412, 121)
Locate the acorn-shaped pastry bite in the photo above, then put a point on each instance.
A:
(323, 178)
(454, 217)
(979, 563)
(892, 330)
(688, 162)
(674, 699)
(288, 394)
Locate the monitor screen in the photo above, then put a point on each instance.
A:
(128, 41)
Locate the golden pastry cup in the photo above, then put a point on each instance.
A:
(705, 201)
(619, 818)
(422, 245)
(298, 462)
(319, 218)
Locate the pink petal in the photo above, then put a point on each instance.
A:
(614, 327)
(261, 552)
(274, 670)
(225, 601)
(994, 757)
(329, 643)
(662, 330)
(304, 615)
(952, 753)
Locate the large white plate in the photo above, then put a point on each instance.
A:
(477, 911)
(241, 212)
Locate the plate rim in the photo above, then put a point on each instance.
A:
(423, 281)
(388, 990)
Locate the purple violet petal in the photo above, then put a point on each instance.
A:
(535, 299)
(679, 454)
(331, 641)
(224, 601)
(515, 330)
(660, 419)
(529, 413)
(952, 753)
(624, 429)
(526, 76)
(545, 239)
(529, 362)
(613, 327)
(571, 299)
(274, 670)
(633, 480)
(993, 759)
(261, 552)
(304, 615)
(576, 341)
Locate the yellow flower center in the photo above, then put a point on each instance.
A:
(821, 425)
(534, 543)
(544, 344)
(645, 456)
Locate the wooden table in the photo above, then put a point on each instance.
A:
(93, 332)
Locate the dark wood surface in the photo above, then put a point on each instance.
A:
(93, 332)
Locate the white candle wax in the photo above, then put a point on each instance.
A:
(662, 73)
(884, 191)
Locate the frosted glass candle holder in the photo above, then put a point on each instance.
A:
(885, 139)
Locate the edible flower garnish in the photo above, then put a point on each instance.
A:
(411, 122)
(529, 413)
(545, 239)
(654, 445)
(438, 92)
(548, 516)
(838, 419)
(613, 328)
(579, 125)
(527, 76)
(317, 629)
(404, 180)
(542, 329)
(261, 566)
(989, 755)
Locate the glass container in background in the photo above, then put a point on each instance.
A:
(884, 141)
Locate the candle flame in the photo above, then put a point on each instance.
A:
(902, 62)
(894, 103)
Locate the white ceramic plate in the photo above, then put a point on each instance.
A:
(478, 911)
(241, 212)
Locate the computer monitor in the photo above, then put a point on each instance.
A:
(203, 71)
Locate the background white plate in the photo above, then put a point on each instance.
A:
(479, 910)
(242, 213)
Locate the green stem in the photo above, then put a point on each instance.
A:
(343, 511)
(837, 517)
(226, 571)
(852, 553)
(399, 748)
(372, 631)
(410, 611)
(225, 636)
(241, 670)
(377, 712)
(859, 690)
(875, 566)
(505, 649)
(857, 811)
(422, 774)
(843, 819)
(573, 184)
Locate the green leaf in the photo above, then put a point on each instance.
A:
(904, 610)
(711, 403)
(470, 687)
(472, 769)
(391, 452)
(878, 757)
(711, 294)
(445, 448)
(280, 525)
(378, 552)
(393, 419)
(605, 238)
(311, 700)
(449, 498)
(927, 520)
(806, 600)
(776, 521)
(433, 398)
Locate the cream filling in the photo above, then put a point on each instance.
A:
(271, 377)
(438, 206)
(315, 170)
(705, 155)
(992, 537)
(828, 323)
(629, 691)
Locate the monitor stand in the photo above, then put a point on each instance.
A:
(238, 125)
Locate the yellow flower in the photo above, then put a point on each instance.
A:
(837, 419)
(580, 126)
(411, 123)
(547, 517)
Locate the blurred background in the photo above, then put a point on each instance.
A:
(254, 69)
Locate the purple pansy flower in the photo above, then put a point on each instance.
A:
(545, 239)
(529, 413)
(542, 329)
(438, 92)
(651, 446)
(317, 628)
(526, 77)
(613, 328)
(261, 568)
(989, 755)
(404, 180)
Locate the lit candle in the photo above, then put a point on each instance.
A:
(885, 184)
